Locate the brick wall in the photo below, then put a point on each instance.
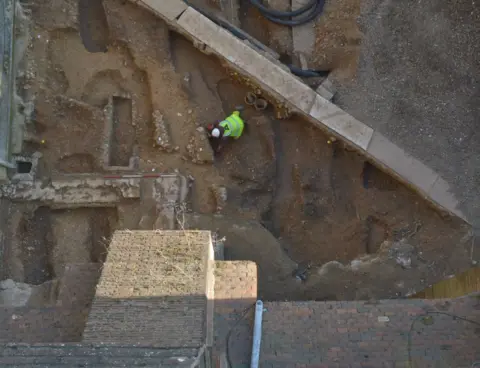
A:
(359, 334)
(152, 291)
(235, 293)
(236, 280)
(155, 322)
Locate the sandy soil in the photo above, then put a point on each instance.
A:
(338, 38)
(41, 241)
(312, 196)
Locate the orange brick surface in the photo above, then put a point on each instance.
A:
(235, 294)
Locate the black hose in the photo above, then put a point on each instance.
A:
(305, 14)
(283, 14)
(308, 73)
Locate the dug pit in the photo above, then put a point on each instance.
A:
(289, 198)
(43, 241)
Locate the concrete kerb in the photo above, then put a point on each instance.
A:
(329, 116)
(169, 10)
(415, 174)
(279, 83)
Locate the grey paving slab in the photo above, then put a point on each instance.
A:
(405, 165)
(418, 84)
(341, 122)
(6, 81)
(414, 172)
(326, 90)
(169, 9)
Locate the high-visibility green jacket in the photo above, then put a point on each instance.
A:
(233, 125)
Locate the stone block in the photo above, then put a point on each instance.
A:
(440, 193)
(325, 93)
(334, 118)
(326, 90)
(406, 166)
(235, 280)
(170, 9)
(304, 35)
(223, 43)
(303, 61)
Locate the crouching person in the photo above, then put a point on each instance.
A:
(230, 128)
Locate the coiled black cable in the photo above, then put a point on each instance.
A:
(304, 14)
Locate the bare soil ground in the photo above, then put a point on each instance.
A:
(338, 38)
(337, 33)
(321, 202)
(42, 241)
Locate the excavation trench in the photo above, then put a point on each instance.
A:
(316, 201)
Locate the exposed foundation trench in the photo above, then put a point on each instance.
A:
(313, 197)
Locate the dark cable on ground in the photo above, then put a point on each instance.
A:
(308, 73)
(455, 317)
(303, 73)
(303, 15)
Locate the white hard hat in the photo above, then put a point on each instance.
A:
(216, 133)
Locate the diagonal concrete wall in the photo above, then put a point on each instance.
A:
(285, 87)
